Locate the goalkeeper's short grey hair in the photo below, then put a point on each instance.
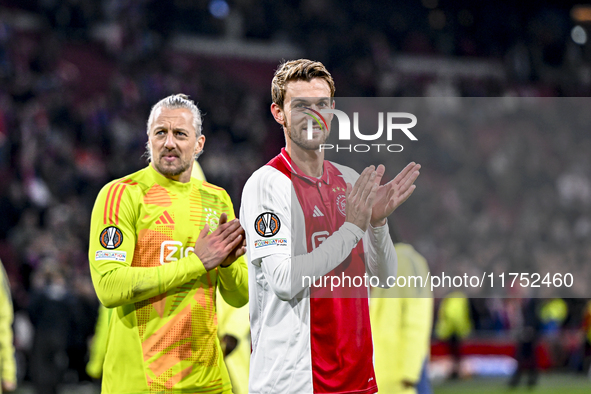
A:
(176, 101)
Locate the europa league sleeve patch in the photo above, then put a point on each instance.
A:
(267, 224)
(111, 238)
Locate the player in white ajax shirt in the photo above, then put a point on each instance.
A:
(304, 219)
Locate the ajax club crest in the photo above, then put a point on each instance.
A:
(212, 219)
(341, 203)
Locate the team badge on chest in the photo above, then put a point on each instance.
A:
(341, 204)
(340, 200)
(212, 219)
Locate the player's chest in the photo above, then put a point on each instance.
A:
(167, 231)
(185, 212)
(323, 204)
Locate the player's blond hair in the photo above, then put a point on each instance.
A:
(177, 101)
(298, 70)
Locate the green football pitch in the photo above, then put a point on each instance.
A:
(547, 384)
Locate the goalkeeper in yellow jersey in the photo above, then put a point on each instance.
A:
(161, 242)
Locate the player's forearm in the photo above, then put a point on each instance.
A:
(126, 285)
(285, 273)
(382, 259)
(233, 281)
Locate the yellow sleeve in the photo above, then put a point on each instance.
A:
(233, 280)
(112, 243)
(7, 360)
(98, 348)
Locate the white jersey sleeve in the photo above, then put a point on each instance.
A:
(265, 214)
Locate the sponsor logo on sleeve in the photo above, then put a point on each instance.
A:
(111, 238)
(267, 224)
(110, 255)
(261, 243)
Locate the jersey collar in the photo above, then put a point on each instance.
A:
(170, 184)
(295, 170)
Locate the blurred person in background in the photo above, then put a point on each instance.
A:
(401, 322)
(7, 360)
(528, 335)
(553, 314)
(161, 243)
(586, 331)
(51, 314)
(307, 339)
(84, 311)
(453, 325)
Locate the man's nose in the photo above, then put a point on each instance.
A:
(169, 143)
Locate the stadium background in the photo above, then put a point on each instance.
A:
(78, 78)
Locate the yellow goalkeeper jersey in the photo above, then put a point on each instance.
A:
(162, 333)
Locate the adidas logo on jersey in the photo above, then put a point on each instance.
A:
(317, 213)
(165, 218)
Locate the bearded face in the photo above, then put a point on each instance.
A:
(173, 143)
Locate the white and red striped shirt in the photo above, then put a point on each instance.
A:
(309, 339)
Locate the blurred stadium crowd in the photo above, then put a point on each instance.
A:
(78, 77)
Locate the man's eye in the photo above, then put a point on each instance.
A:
(159, 132)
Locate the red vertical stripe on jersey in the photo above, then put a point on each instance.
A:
(111, 197)
(112, 202)
(118, 205)
(107, 202)
(340, 331)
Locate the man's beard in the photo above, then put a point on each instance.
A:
(171, 170)
(302, 141)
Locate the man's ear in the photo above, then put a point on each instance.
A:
(278, 114)
(200, 144)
